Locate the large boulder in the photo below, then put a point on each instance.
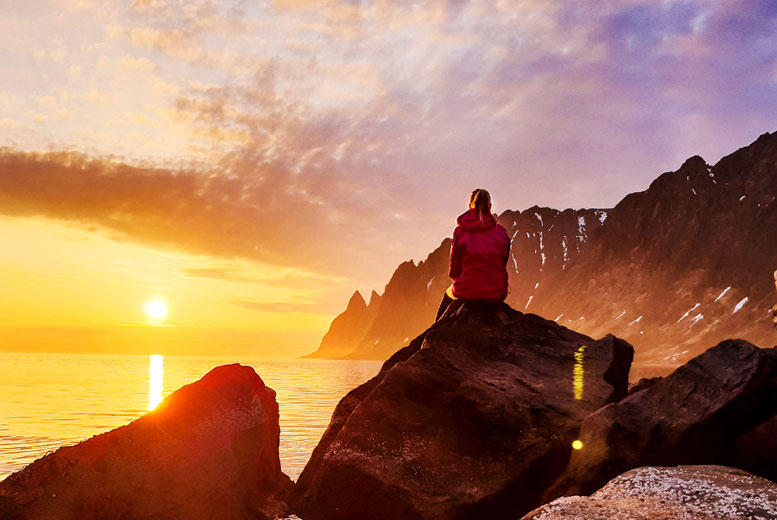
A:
(693, 416)
(474, 418)
(662, 493)
(209, 450)
(756, 450)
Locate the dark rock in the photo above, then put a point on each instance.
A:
(756, 450)
(681, 493)
(10, 509)
(341, 414)
(643, 383)
(693, 416)
(209, 450)
(475, 417)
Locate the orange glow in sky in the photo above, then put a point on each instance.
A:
(70, 289)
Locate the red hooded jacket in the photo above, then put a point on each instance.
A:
(478, 257)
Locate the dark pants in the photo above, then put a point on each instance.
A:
(447, 302)
(451, 305)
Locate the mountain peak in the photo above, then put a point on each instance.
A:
(357, 300)
(694, 163)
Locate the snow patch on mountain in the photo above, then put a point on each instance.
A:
(721, 295)
(688, 312)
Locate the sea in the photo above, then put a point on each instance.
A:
(53, 400)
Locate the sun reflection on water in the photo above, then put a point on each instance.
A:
(156, 374)
(578, 372)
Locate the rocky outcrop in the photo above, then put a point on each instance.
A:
(679, 493)
(693, 416)
(473, 419)
(673, 269)
(210, 450)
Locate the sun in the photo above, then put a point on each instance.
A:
(156, 309)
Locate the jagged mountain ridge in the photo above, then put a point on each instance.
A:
(349, 328)
(672, 269)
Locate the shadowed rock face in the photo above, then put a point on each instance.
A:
(475, 417)
(693, 416)
(210, 450)
(681, 493)
(756, 450)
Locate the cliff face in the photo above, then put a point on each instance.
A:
(684, 264)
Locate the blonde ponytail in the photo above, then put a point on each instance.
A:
(480, 201)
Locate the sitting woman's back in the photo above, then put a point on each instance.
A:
(478, 257)
(479, 254)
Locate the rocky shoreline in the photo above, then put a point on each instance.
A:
(478, 417)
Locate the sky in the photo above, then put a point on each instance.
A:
(252, 163)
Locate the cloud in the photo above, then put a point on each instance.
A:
(253, 211)
(294, 132)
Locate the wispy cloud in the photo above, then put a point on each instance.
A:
(260, 214)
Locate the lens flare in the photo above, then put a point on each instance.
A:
(156, 373)
(577, 444)
(578, 373)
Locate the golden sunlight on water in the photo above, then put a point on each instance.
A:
(156, 373)
(578, 372)
(53, 400)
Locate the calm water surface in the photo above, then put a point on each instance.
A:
(51, 400)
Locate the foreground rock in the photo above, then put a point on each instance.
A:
(210, 450)
(693, 416)
(474, 418)
(682, 493)
(756, 450)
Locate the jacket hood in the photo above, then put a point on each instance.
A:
(469, 221)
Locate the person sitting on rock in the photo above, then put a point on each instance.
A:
(479, 254)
